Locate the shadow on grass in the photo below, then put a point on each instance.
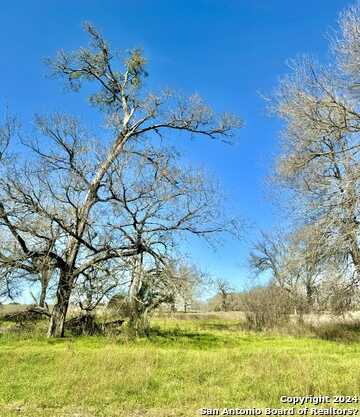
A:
(188, 338)
(221, 326)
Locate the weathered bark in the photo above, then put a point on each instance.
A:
(45, 277)
(42, 297)
(136, 283)
(138, 319)
(58, 315)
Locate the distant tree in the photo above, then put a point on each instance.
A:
(293, 262)
(187, 281)
(224, 290)
(270, 254)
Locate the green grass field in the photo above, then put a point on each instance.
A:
(183, 367)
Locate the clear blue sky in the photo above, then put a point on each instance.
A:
(228, 51)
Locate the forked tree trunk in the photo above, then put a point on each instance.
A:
(58, 315)
(138, 320)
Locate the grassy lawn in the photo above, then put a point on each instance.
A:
(184, 366)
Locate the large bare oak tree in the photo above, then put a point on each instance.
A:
(72, 206)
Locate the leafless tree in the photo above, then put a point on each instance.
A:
(10, 274)
(319, 164)
(187, 282)
(293, 261)
(224, 290)
(98, 284)
(69, 185)
(270, 255)
(156, 203)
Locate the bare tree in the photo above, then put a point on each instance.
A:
(224, 290)
(10, 273)
(270, 255)
(97, 285)
(187, 281)
(319, 164)
(152, 284)
(69, 185)
(157, 203)
(293, 262)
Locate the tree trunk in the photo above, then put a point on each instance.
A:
(138, 321)
(42, 297)
(45, 274)
(58, 315)
(309, 297)
(136, 309)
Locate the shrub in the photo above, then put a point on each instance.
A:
(266, 308)
(337, 331)
(120, 305)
